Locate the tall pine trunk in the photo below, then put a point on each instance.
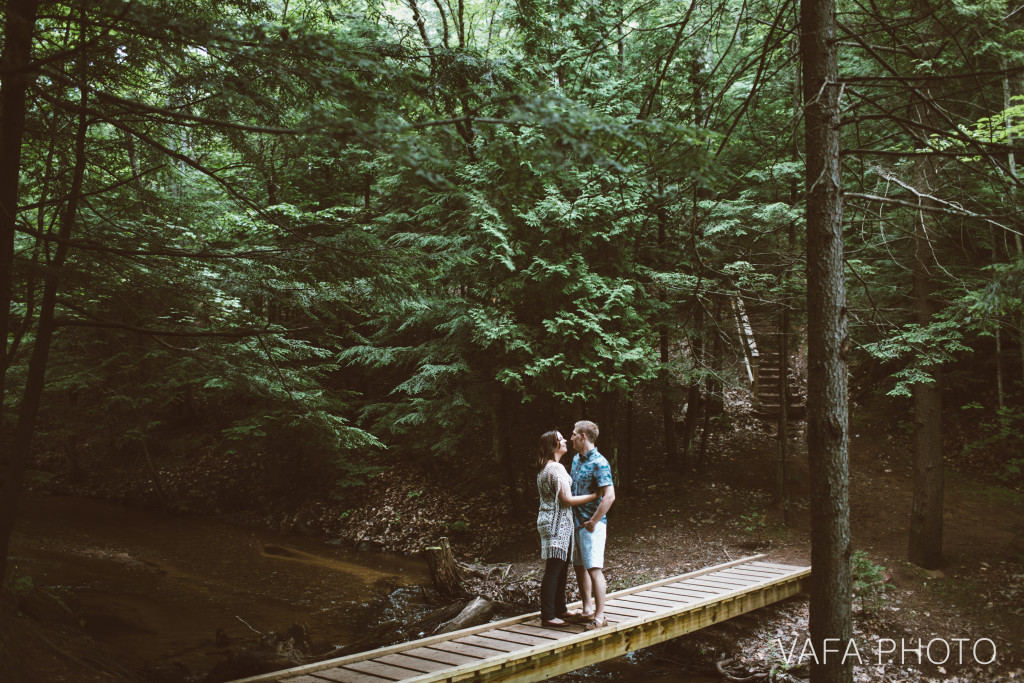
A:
(828, 432)
(668, 407)
(925, 543)
(19, 24)
(782, 468)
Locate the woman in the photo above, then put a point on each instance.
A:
(554, 524)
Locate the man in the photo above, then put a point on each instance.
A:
(591, 473)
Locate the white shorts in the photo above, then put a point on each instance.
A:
(588, 547)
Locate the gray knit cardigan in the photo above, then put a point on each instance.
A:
(554, 520)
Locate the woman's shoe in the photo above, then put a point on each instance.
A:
(595, 624)
(581, 618)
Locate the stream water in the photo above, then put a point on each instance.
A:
(154, 588)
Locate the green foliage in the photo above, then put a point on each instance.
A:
(20, 585)
(869, 581)
(1003, 435)
(458, 526)
(752, 522)
(312, 234)
(922, 347)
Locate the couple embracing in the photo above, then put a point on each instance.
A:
(572, 525)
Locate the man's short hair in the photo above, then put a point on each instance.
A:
(588, 429)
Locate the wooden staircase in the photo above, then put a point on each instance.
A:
(760, 337)
(769, 398)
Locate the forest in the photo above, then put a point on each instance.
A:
(302, 243)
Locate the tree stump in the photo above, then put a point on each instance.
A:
(444, 573)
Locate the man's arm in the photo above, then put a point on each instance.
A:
(607, 498)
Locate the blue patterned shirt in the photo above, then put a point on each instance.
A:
(590, 472)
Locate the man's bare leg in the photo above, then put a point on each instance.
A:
(596, 580)
(585, 586)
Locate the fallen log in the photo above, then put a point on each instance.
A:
(478, 611)
(439, 617)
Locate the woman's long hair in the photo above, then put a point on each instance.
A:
(546, 449)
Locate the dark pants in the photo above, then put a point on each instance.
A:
(552, 589)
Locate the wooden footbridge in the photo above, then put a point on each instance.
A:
(520, 649)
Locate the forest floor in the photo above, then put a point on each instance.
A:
(678, 524)
(674, 522)
(966, 619)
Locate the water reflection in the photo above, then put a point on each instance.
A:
(153, 587)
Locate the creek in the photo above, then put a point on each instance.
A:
(151, 587)
(154, 589)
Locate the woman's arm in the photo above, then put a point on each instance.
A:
(565, 495)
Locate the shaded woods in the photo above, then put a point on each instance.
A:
(296, 244)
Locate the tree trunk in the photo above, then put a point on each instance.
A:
(499, 445)
(705, 431)
(668, 408)
(925, 543)
(609, 440)
(626, 464)
(20, 20)
(695, 400)
(444, 573)
(15, 460)
(19, 23)
(782, 469)
(782, 485)
(1000, 391)
(828, 430)
(1011, 162)
(712, 387)
(154, 473)
(694, 403)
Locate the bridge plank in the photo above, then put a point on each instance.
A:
(753, 569)
(719, 580)
(441, 656)
(464, 649)
(377, 668)
(683, 588)
(514, 637)
(483, 641)
(625, 611)
(414, 663)
(708, 583)
(627, 603)
(653, 598)
(785, 567)
(704, 592)
(639, 603)
(681, 596)
(339, 676)
(753, 576)
(690, 584)
(545, 632)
